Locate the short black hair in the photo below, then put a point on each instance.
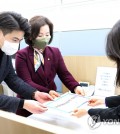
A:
(36, 23)
(10, 21)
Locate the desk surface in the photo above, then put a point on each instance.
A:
(76, 125)
(14, 124)
(52, 121)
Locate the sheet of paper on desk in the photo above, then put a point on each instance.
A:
(67, 102)
(58, 118)
(77, 125)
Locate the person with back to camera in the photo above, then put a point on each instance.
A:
(13, 28)
(112, 113)
(38, 63)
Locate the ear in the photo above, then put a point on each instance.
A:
(1, 34)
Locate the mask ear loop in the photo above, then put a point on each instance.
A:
(19, 47)
(13, 56)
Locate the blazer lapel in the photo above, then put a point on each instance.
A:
(31, 55)
(47, 62)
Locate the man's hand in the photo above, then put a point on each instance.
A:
(79, 90)
(34, 106)
(42, 97)
(53, 94)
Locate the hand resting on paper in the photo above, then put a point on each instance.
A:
(79, 90)
(79, 112)
(95, 102)
(53, 94)
(92, 102)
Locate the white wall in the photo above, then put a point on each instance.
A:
(91, 15)
(69, 14)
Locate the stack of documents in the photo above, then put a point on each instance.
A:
(67, 102)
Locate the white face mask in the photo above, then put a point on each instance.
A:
(10, 48)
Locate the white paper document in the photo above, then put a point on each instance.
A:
(67, 102)
(105, 81)
(60, 111)
(58, 118)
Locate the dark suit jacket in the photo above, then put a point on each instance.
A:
(43, 79)
(8, 75)
(106, 114)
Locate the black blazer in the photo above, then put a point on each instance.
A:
(8, 75)
(106, 114)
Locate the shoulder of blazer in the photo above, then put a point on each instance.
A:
(25, 50)
(52, 49)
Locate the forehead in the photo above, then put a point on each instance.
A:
(44, 28)
(15, 34)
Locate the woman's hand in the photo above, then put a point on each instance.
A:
(34, 106)
(95, 102)
(79, 90)
(53, 94)
(79, 112)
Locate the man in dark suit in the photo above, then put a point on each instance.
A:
(13, 27)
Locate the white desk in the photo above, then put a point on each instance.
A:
(74, 124)
(14, 124)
